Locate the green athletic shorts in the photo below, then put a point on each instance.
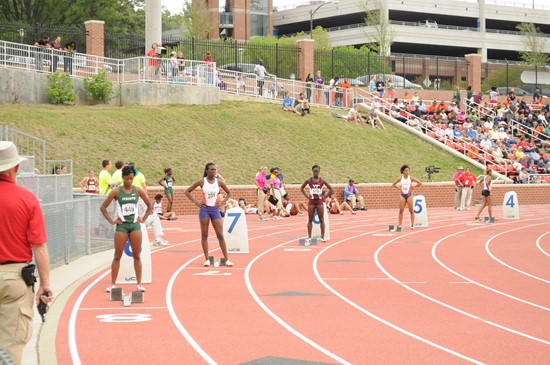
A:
(168, 191)
(127, 227)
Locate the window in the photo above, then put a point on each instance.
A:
(259, 6)
(258, 25)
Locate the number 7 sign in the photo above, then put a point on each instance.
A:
(235, 231)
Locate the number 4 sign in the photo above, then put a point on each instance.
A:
(235, 231)
(510, 206)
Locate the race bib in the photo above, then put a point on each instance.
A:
(91, 187)
(169, 184)
(128, 209)
(316, 191)
(212, 196)
(466, 182)
(405, 189)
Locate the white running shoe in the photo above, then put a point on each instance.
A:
(228, 263)
(163, 242)
(323, 239)
(207, 262)
(412, 227)
(140, 288)
(308, 241)
(108, 290)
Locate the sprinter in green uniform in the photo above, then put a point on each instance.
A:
(127, 222)
(167, 182)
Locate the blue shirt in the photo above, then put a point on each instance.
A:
(472, 134)
(350, 190)
(287, 102)
(457, 133)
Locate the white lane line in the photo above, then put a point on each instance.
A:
(540, 247)
(374, 316)
(488, 250)
(121, 308)
(356, 278)
(377, 253)
(434, 255)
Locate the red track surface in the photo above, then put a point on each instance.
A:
(456, 292)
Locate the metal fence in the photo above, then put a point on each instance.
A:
(27, 145)
(408, 71)
(29, 34)
(76, 228)
(48, 188)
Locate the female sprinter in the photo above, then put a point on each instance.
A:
(406, 188)
(127, 222)
(316, 197)
(210, 208)
(486, 193)
(167, 182)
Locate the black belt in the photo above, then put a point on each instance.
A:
(12, 262)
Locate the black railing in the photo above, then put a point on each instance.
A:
(29, 34)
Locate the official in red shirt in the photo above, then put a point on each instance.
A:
(468, 181)
(22, 233)
(154, 62)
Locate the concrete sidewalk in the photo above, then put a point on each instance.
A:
(64, 281)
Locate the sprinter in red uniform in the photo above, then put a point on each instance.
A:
(316, 197)
(90, 183)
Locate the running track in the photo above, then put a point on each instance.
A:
(457, 292)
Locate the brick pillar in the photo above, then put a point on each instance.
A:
(95, 37)
(306, 64)
(473, 77)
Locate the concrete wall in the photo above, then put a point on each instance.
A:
(29, 87)
(377, 196)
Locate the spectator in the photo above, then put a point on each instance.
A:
(263, 192)
(248, 208)
(261, 73)
(139, 180)
(117, 175)
(337, 208)
(353, 116)
(333, 85)
(372, 84)
(511, 96)
(275, 185)
(42, 44)
(288, 104)
(380, 87)
(90, 183)
(468, 181)
(56, 48)
(319, 81)
(174, 66)
(301, 105)
(469, 96)
(458, 186)
(181, 64)
(309, 81)
(493, 95)
(415, 98)
(391, 88)
(456, 96)
(537, 97)
(282, 178)
(70, 50)
(23, 234)
(209, 69)
(351, 196)
(157, 209)
(105, 179)
(374, 119)
(345, 90)
(154, 62)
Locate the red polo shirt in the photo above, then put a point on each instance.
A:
(21, 222)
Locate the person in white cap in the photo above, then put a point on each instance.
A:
(458, 186)
(23, 233)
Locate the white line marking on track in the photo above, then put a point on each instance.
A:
(122, 308)
(440, 302)
(356, 278)
(540, 247)
(488, 250)
(374, 316)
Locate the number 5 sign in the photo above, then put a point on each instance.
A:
(420, 212)
(235, 231)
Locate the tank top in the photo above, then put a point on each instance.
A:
(210, 192)
(169, 181)
(127, 205)
(316, 189)
(91, 186)
(485, 186)
(406, 185)
(157, 208)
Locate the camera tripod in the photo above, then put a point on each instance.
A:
(429, 176)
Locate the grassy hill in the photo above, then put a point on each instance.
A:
(238, 136)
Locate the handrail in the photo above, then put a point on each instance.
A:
(483, 110)
(518, 126)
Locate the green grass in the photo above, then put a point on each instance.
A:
(238, 136)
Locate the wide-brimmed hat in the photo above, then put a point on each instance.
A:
(9, 157)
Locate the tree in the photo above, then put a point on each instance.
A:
(381, 33)
(121, 16)
(536, 48)
(320, 36)
(172, 21)
(196, 20)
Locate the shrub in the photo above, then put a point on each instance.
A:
(60, 88)
(98, 87)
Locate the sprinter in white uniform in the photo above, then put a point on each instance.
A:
(210, 208)
(486, 194)
(406, 187)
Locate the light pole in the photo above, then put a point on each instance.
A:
(312, 13)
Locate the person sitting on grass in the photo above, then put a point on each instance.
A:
(157, 209)
(287, 104)
(301, 105)
(374, 119)
(353, 116)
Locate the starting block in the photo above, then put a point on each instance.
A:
(302, 241)
(223, 261)
(117, 295)
(212, 261)
(489, 219)
(395, 228)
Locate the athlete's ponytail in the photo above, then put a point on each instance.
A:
(208, 165)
